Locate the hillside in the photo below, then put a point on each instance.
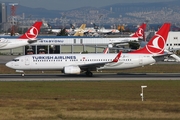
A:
(157, 12)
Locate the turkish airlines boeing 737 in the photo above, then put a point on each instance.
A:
(77, 63)
(26, 39)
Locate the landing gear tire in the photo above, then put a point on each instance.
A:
(89, 74)
(22, 74)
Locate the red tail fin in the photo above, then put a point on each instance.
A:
(140, 31)
(157, 43)
(32, 32)
(106, 50)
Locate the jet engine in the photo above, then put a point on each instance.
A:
(110, 45)
(72, 70)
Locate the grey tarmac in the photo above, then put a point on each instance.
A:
(96, 77)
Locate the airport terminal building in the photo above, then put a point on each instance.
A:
(59, 44)
(76, 44)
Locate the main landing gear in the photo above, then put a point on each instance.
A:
(89, 73)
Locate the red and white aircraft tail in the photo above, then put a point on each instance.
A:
(32, 32)
(106, 50)
(157, 43)
(140, 31)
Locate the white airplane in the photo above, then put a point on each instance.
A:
(71, 30)
(78, 63)
(54, 30)
(103, 30)
(25, 39)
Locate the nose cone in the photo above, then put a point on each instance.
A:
(9, 64)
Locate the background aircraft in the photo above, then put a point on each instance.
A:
(102, 30)
(138, 36)
(80, 31)
(140, 33)
(90, 31)
(26, 39)
(74, 31)
(77, 63)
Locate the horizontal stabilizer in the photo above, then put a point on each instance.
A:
(176, 57)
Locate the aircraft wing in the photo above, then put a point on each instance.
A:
(114, 48)
(94, 66)
(33, 41)
(161, 57)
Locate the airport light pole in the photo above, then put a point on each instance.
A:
(142, 94)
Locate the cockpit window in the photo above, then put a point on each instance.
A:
(15, 60)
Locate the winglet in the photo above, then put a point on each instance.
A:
(117, 57)
(32, 32)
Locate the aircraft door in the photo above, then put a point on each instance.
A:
(27, 61)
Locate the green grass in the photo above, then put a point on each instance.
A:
(90, 100)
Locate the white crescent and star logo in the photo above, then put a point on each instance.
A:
(157, 45)
(139, 33)
(32, 34)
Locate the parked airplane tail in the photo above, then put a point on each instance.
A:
(106, 50)
(140, 31)
(157, 42)
(80, 31)
(95, 26)
(32, 32)
(72, 26)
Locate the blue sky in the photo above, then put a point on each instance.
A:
(71, 4)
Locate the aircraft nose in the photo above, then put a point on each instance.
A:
(8, 64)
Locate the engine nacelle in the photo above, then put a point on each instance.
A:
(72, 70)
(110, 45)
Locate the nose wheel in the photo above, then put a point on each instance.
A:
(22, 74)
(21, 71)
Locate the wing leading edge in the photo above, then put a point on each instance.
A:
(94, 66)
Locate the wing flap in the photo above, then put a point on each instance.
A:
(161, 57)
